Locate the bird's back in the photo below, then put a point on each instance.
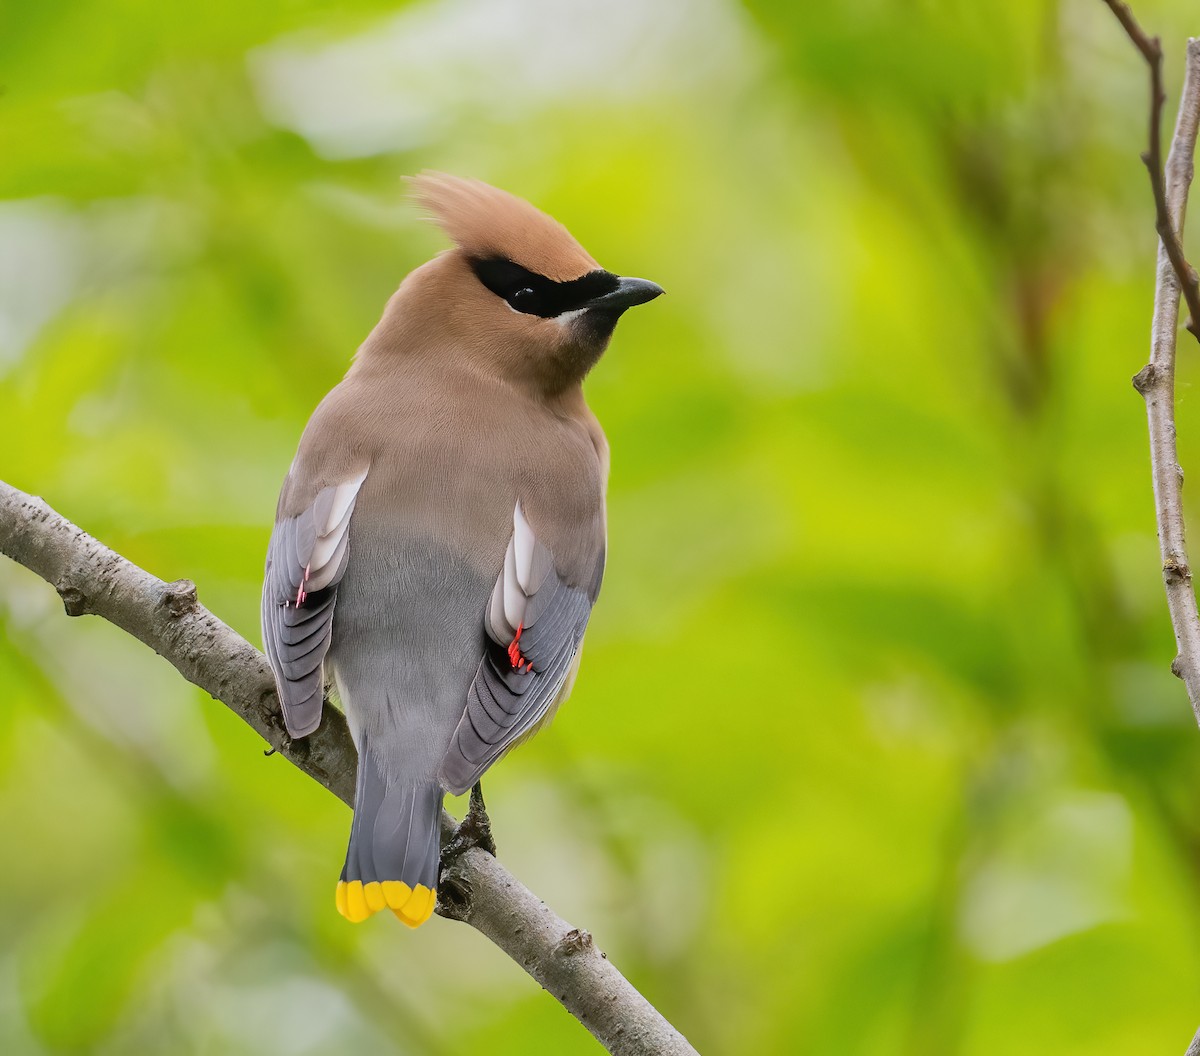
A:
(428, 537)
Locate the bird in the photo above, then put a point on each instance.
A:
(440, 536)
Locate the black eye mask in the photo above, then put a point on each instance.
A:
(535, 294)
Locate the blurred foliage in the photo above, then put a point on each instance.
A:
(875, 749)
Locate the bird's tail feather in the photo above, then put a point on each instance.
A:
(392, 860)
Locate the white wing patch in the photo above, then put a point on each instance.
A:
(323, 536)
(526, 565)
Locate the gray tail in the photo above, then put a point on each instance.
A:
(392, 860)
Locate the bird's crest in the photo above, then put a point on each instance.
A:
(486, 222)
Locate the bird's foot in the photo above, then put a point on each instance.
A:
(455, 894)
(475, 829)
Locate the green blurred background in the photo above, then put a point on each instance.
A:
(875, 748)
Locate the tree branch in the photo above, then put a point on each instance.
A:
(474, 887)
(1156, 380)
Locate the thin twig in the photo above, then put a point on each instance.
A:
(1156, 380)
(1170, 229)
(475, 887)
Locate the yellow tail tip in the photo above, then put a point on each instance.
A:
(356, 901)
(373, 894)
(395, 893)
(419, 908)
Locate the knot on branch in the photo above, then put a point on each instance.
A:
(1175, 570)
(1177, 667)
(1143, 380)
(455, 895)
(574, 941)
(74, 600)
(179, 598)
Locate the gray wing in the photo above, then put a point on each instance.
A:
(535, 625)
(306, 559)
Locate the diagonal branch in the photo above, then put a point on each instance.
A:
(475, 887)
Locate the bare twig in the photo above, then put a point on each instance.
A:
(1169, 227)
(1156, 383)
(1156, 380)
(475, 888)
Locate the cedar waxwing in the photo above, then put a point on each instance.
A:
(440, 536)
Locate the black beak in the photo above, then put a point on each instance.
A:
(629, 292)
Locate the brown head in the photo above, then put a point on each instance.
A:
(517, 295)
